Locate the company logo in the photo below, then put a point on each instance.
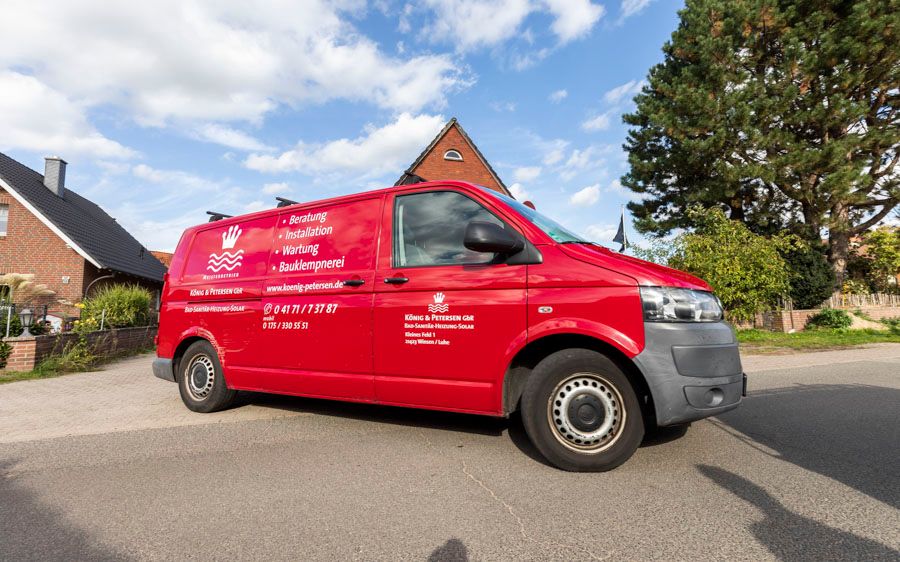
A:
(438, 305)
(227, 260)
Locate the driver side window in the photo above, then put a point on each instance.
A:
(429, 229)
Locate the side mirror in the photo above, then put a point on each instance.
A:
(491, 238)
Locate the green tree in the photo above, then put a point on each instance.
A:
(786, 114)
(745, 269)
(811, 278)
(882, 252)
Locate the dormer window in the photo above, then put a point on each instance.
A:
(454, 155)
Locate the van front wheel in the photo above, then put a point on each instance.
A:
(580, 411)
(200, 379)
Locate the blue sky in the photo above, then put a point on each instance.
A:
(167, 109)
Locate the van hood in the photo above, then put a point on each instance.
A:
(646, 273)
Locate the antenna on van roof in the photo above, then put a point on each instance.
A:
(214, 216)
(282, 202)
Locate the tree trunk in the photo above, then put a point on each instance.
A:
(839, 243)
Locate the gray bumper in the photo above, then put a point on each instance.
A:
(162, 368)
(693, 370)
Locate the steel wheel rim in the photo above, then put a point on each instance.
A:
(200, 376)
(583, 394)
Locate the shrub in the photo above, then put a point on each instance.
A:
(830, 318)
(125, 306)
(856, 287)
(893, 324)
(15, 326)
(75, 357)
(744, 269)
(812, 278)
(5, 352)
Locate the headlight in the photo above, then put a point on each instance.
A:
(670, 304)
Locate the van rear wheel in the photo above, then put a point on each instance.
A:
(581, 412)
(200, 379)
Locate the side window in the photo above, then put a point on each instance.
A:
(429, 229)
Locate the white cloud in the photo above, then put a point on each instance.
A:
(232, 138)
(34, 116)
(581, 160)
(519, 192)
(616, 186)
(574, 18)
(276, 188)
(586, 197)
(501, 106)
(378, 151)
(526, 173)
(601, 232)
(174, 178)
(558, 96)
(633, 7)
(254, 206)
(472, 24)
(214, 60)
(628, 89)
(598, 123)
(554, 151)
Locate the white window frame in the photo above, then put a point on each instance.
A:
(456, 155)
(4, 225)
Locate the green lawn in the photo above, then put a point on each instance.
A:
(761, 341)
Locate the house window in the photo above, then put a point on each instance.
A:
(454, 155)
(4, 219)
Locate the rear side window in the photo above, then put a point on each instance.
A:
(230, 252)
(429, 229)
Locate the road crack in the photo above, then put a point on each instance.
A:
(523, 530)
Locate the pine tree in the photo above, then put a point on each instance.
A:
(784, 114)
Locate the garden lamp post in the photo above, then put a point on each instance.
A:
(26, 317)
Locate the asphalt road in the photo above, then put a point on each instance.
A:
(109, 465)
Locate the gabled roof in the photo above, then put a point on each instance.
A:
(409, 175)
(82, 224)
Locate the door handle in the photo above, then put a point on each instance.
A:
(354, 282)
(396, 280)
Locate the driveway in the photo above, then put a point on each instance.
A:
(110, 465)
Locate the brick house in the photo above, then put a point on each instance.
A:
(453, 156)
(68, 242)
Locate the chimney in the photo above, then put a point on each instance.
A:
(55, 175)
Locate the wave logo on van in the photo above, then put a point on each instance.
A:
(439, 305)
(227, 260)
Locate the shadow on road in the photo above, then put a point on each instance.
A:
(31, 530)
(451, 551)
(791, 536)
(847, 432)
(430, 419)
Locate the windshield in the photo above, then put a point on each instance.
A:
(554, 230)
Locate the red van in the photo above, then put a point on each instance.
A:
(446, 296)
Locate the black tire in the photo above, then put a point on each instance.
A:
(587, 438)
(200, 379)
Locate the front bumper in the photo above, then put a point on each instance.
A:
(693, 370)
(163, 369)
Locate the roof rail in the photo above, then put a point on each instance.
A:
(214, 216)
(282, 202)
